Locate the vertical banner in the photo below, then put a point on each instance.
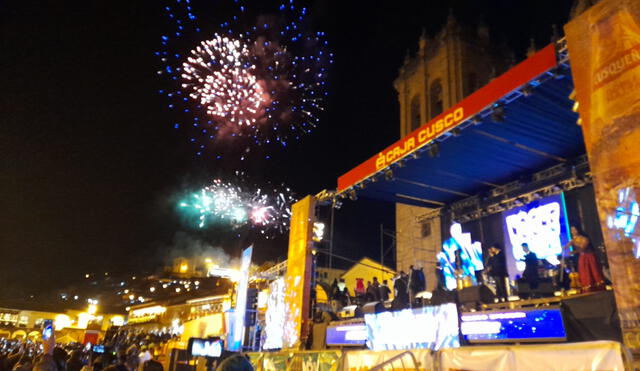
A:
(237, 330)
(298, 277)
(275, 315)
(604, 46)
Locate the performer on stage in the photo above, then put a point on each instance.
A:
(496, 267)
(530, 274)
(589, 270)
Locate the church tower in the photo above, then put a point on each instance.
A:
(446, 68)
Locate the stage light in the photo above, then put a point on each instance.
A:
(424, 295)
(476, 120)
(353, 195)
(455, 132)
(388, 175)
(415, 155)
(527, 90)
(498, 114)
(92, 309)
(318, 231)
(337, 204)
(434, 150)
(558, 73)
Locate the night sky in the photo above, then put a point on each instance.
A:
(90, 164)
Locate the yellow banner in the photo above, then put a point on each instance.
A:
(298, 277)
(604, 49)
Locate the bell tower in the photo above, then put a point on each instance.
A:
(446, 68)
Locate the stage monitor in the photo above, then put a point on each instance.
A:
(513, 326)
(434, 328)
(542, 224)
(347, 334)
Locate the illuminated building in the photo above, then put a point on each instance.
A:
(366, 269)
(180, 308)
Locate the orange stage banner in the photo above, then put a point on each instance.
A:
(604, 48)
(298, 277)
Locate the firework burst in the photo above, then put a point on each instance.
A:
(244, 85)
(231, 204)
(219, 76)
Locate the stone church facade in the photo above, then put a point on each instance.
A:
(445, 69)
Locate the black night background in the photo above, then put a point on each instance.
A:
(90, 163)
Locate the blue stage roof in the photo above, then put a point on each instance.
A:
(539, 130)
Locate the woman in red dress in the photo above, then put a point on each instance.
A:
(589, 270)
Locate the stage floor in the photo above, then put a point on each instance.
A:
(554, 300)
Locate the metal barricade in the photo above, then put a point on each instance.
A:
(392, 362)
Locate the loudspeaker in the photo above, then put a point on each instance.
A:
(592, 317)
(475, 294)
(545, 288)
(351, 311)
(441, 296)
(373, 307)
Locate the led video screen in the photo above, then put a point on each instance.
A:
(275, 315)
(626, 217)
(525, 325)
(433, 328)
(459, 254)
(349, 334)
(542, 224)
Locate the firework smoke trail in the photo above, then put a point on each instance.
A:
(227, 203)
(241, 85)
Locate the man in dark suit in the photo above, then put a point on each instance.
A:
(530, 274)
(497, 268)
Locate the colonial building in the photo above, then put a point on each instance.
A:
(446, 68)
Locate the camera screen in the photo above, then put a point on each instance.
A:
(206, 348)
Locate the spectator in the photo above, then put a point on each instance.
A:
(75, 361)
(24, 364)
(401, 296)
(235, 363)
(152, 364)
(372, 293)
(144, 356)
(384, 291)
(359, 290)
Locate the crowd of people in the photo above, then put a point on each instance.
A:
(405, 286)
(119, 351)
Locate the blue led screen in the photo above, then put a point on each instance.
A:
(533, 325)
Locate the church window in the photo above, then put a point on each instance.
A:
(435, 95)
(415, 112)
